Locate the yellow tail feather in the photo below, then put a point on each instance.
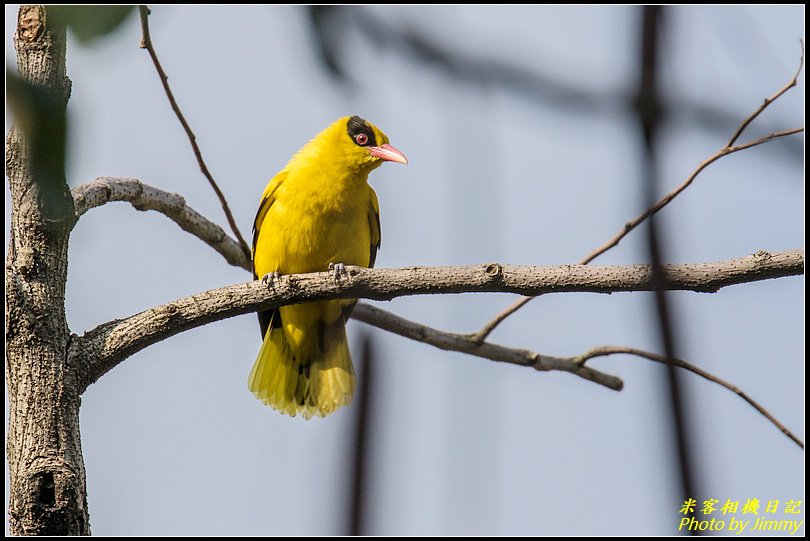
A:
(316, 386)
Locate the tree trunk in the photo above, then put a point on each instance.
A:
(48, 494)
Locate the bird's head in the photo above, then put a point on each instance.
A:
(366, 143)
(354, 143)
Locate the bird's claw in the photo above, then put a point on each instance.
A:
(338, 271)
(271, 278)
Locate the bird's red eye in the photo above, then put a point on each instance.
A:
(361, 139)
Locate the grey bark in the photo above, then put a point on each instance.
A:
(110, 343)
(48, 493)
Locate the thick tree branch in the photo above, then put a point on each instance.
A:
(605, 351)
(145, 197)
(112, 342)
(146, 43)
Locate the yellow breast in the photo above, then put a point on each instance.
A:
(314, 221)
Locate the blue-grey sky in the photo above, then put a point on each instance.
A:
(175, 444)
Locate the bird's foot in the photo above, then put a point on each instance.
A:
(339, 272)
(271, 278)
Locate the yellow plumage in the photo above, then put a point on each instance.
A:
(318, 210)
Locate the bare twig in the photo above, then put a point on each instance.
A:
(790, 84)
(664, 201)
(461, 343)
(447, 341)
(487, 329)
(604, 351)
(110, 343)
(146, 43)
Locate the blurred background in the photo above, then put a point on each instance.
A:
(524, 147)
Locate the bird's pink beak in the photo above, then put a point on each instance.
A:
(388, 153)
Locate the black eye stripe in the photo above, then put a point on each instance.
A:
(356, 126)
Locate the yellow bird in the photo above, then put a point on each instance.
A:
(317, 213)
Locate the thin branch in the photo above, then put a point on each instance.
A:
(461, 343)
(448, 341)
(664, 201)
(112, 342)
(790, 84)
(144, 197)
(604, 351)
(146, 43)
(487, 329)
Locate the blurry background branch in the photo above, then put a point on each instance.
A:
(653, 22)
(332, 26)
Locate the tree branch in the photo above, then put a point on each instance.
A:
(667, 199)
(144, 197)
(462, 343)
(790, 84)
(112, 342)
(468, 344)
(604, 351)
(146, 43)
(487, 329)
